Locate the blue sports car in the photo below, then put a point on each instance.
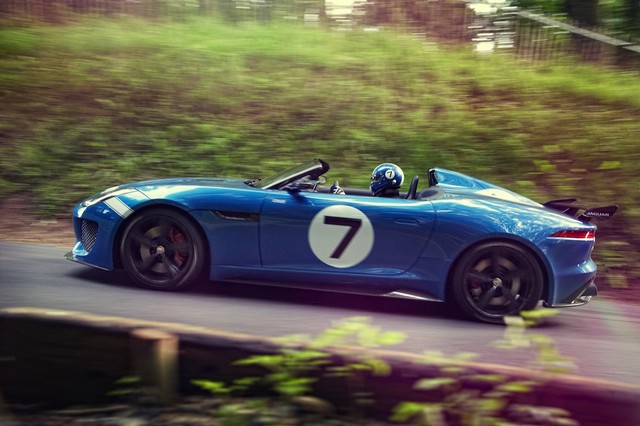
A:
(455, 238)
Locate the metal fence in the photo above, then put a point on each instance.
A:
(58, 11)
(529, 35)
(541, 38)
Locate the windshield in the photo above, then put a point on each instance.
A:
(313, 169)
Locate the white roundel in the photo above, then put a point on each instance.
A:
(390, 174)
(341, 236)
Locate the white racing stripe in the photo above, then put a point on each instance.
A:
(119, 207)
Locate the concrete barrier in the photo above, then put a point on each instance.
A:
(62, 358)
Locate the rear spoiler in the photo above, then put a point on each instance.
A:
(566, 206)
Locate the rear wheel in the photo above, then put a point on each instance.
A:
(163, 250)
(496, 279)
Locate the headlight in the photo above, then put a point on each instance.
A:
(105, 195)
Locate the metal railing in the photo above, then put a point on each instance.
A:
(538, 37)
(529, 35)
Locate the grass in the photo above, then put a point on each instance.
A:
(101, 102)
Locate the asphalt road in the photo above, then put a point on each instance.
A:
(602, 338)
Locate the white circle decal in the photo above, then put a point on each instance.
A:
(341, 236)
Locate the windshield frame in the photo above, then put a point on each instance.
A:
(312, 170)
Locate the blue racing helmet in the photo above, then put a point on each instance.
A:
(386, 176)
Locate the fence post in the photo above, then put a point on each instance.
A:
(155, 361)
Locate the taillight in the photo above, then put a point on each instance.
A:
(575, 234)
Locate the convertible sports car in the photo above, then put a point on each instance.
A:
(489, 251)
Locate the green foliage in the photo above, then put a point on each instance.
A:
(292, 372)
(238, 387)
(102, 102)
(620, 17)
(458, 395)
(127, 387)
(549, 7)
(471, 398)
(286, 369)
(301, 356)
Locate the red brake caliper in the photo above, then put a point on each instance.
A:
(178, 239)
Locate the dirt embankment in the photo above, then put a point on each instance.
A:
(20, 224)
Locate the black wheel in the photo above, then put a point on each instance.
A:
(163, 250)
(496, 279)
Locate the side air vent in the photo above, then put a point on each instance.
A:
(250, 217)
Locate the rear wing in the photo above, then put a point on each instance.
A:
(566, 206)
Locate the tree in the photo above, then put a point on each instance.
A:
(632, 12)
(584, 12)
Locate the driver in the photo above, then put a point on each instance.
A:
(386, 180)
(335, 189)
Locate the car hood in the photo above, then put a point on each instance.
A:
(162, 187)
(150, 185)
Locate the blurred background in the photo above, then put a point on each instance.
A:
(539, 96)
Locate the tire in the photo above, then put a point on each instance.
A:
(496, 279)
(162, 250)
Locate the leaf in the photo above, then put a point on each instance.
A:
(123, 392)
(513, 321)
(378, 367)
(544, 166)
(404, 411)
(517, 387)
(294, 387)
(268, 361)
(487, 378)
(552, 148)
(453, 370)
(244, 383)
(610, 165)
(429, 384)
(215, 388)
(128, 380)
(392, 338)
(490, 405)
(539, 313)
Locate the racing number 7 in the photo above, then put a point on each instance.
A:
(352, 224)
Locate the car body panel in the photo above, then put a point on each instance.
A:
(459, 183)
(286, 235)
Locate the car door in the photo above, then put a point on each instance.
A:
(316, 232)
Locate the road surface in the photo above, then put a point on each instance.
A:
(602, 338)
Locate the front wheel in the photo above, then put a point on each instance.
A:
(497, 279)
(162, 250)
